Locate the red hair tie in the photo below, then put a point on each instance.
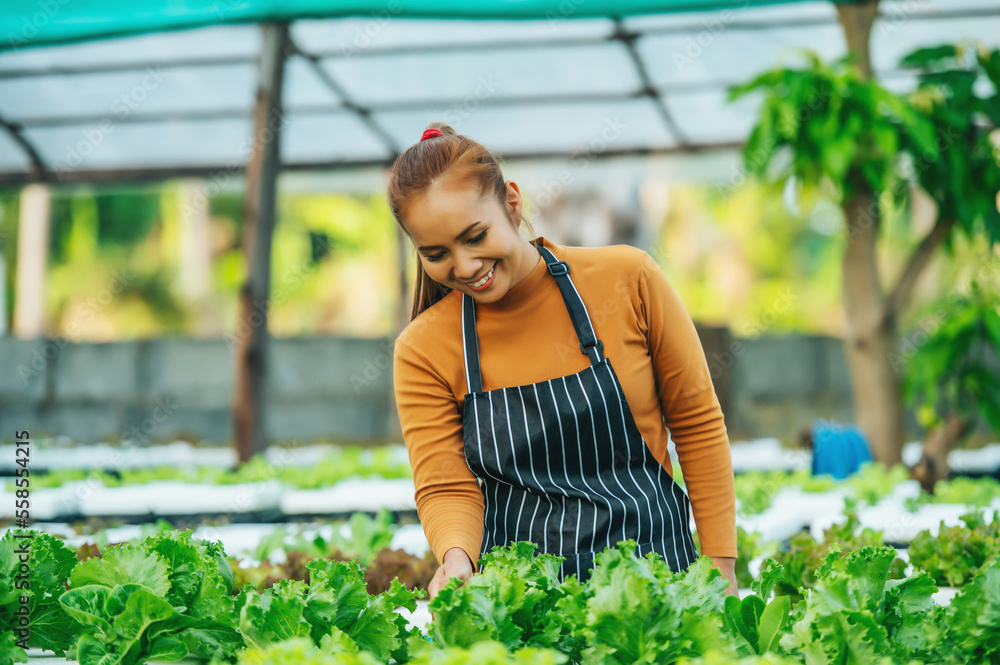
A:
(430, 133)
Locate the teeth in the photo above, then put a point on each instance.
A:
(484, 279)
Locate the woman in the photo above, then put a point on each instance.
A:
(507, 383)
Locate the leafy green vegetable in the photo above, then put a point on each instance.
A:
(49, 565)
(977, 492)
(161, 599)
(973, 618)
(10, 653)
(510, 602)
(300, 651)
(856, 613)
(957, 553)
(805, 556)
(756, 621)
(335, 598)
(338, 465)
(630, 610)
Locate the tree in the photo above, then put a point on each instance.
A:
(834, 130)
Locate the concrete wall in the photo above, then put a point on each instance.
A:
(340, 388)
(171, 388)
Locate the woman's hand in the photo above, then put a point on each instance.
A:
(456, 564)
(727, 566)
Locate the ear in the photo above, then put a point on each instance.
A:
(514, 200)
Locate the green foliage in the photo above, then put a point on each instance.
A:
(756, 621)
(963, 173)
(49, 565)
(756, 489)
(10, 653)
(953, 370)
(842, 131)
(973, 618)
(630, 610)
(368, 536)
(340, 464)
(749, 545)
(334, 599)
(160, 599)
(802, 562)
(976, 492)
(957, 553)
(856, 613)
(873, 481)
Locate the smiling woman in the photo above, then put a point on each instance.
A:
(485, 258)
(507, 384)
(462, 216)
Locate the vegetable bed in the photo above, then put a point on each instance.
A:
(170, 597)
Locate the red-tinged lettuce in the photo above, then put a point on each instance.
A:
(973, 618)
(49, 565)
(856, 614)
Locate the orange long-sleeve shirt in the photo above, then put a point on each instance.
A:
(526, 337)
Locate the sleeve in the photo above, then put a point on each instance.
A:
(691, 410)
(449, 501)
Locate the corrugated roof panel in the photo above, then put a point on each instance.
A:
(478, 75)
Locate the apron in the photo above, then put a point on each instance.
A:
(562, 463)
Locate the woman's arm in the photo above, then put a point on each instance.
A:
(727, 566)
(691, 411)
(449, 501)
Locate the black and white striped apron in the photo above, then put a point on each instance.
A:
(562, 462)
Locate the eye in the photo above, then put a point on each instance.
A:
(472, 241)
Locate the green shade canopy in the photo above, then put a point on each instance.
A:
(174, 96)
(34, 22)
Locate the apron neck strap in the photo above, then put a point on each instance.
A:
(589, 344)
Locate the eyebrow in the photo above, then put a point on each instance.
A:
(467, 229)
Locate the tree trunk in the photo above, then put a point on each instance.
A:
(249, 427)
(940, 441)
(871, 335)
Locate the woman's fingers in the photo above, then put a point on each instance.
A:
(436, 583)
(455, 567)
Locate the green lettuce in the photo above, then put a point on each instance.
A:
(50, 563)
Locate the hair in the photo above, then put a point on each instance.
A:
(425, 162)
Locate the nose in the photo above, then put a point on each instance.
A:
(467, 268)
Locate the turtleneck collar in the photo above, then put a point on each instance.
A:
(528, 288)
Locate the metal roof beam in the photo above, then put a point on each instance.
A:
(628, 39)
(38, 169)
(405, 105)
(167, 173)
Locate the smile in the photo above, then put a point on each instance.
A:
(484, 282)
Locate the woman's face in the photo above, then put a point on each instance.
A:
(461, 238)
